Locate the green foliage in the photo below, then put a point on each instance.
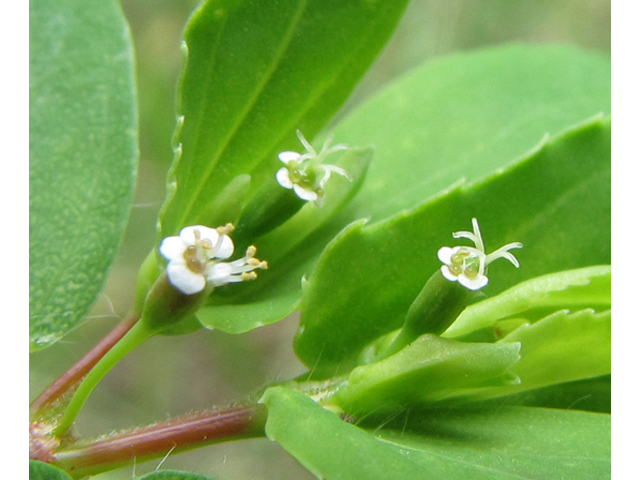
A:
(517, 136)
(83, 155)
(468, 115)
(381, 268)
(507, 443)
(255, 72)
(428, 370)
(43, 471)
(292, 252)
(588, 287)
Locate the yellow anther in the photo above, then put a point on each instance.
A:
(249, 276)
(226, 229)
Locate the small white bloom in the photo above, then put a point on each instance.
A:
(195, 258)
(305, 173)
(468, 265)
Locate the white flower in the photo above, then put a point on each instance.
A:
(195, 258)
(468, 265)
(305, 173)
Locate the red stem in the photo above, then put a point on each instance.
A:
(154, 441)
(72, 377)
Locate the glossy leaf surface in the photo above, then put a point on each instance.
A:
(573, 289)
(508, 443)
(467, 115)
(255, 72)
(559, 211)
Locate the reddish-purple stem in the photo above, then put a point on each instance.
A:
(75, 374)
(155, 441)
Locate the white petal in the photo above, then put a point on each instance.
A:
(172, 247)
(225, 250)
(219, 273)
(185, 280)
(286, 157)
(446, 273)
(188, 235)
(282, 176)
(445, 254)
(305, 194)
(473, 284)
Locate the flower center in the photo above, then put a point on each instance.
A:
(465, 262)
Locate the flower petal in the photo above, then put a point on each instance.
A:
(172, 248)
(305, 194)
(446, 273)
(219, 273)
(185, 280)
(188, 234)
(445, 254)
(282, 176)
(225, 250)
(473, 284)
(286, 157)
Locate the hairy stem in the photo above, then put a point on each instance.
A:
(156, 441)
(72, 377)
(134, 337)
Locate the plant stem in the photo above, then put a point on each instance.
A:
(134, 337)
(70, 379)
(155, 441)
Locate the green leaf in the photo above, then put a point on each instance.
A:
(560, 348)
(556, 201)
(173, 475)
(43, 471)
(292, 250)
(591, 395)
(428, 370)
(468, 114)
(534, 299)
(82, 159)
(255, 72)
(508, 443)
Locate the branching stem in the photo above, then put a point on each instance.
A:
(72, 377)
(154, 441)
(134, 337)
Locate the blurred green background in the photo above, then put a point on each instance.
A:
(171, 376)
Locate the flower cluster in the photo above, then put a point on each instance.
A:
(468, 265)
(195, 259)
(305, 173)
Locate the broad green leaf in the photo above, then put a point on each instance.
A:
(574, 289)
(556, 201)
(82, 156)
(509, 443)
(44, 471)
(292, 250)
(428, 370)
(560, 348)
(591, 395)
(468, 114)
(173, 475)
(255, 72)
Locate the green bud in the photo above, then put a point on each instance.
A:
(268, 209)
(436, 307)
(166, 306)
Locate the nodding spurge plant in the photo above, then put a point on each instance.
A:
(414, 362)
